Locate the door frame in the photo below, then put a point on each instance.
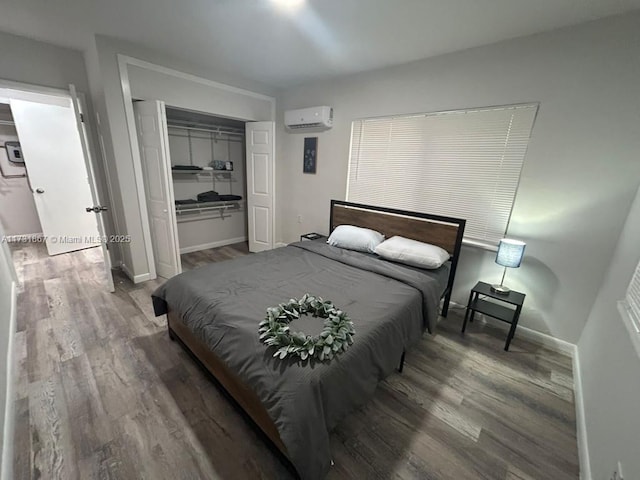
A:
(125, 85)
(32, 89)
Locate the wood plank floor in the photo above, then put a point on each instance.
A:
(102, 393)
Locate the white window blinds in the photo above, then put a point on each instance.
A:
(633, 298)
(461, 164)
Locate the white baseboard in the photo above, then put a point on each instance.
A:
(6, 473)
(581, 419)
(126, 271)
(205, 246)
(144, 277)
(24, 238)
(280, 245)
(552, 343)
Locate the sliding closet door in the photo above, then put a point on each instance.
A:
(260, 185)
(57, 173)
(153, 139)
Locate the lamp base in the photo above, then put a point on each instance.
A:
(500, 289)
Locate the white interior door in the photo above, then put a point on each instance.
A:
(153, 140)
(57, 173)
(98, 207)
(260, 185)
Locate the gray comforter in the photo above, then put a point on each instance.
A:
(390, 305)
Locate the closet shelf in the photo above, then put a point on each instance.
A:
(201, 207)
(209, 173)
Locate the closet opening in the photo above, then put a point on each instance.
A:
(209, 184)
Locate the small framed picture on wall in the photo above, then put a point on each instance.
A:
(310, 155)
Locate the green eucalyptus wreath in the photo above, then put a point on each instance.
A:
(336, 336)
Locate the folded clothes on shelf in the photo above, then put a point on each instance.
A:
(210, 196)
(222, 165)
(185, 167)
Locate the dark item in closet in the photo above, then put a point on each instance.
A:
(210, 196)
(222, 165)
(188, 201)
(230, 198)
(185, 167)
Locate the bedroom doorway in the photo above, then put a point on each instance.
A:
(48, 184)
(208, 183)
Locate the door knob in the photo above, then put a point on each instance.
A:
(39, 190)
(96, 209)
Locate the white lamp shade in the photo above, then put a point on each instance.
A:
(510, 253)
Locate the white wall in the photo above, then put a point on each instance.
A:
(191, 94)
(184, 92)
(610, 366)
(581, 170)
(17, 209)
(37, 63)
(7, 326)
(29, 61)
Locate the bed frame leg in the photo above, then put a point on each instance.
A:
(445, 306)
(172, 336)
(401, 362)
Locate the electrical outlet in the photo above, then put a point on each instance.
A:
(617, 473)
(299, 218)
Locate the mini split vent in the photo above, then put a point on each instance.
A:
(315, 118)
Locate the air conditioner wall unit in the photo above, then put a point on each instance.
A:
(313, 118)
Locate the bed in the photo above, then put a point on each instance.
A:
(214, 312)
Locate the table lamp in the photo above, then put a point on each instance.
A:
(510, 254)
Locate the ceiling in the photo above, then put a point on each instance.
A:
(323, 38)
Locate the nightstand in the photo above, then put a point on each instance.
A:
(502, 311)
(312, 236)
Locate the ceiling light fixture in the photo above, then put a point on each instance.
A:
(289, 5)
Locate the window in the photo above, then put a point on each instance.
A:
(629, 309)
(632, 299)
(461, 164)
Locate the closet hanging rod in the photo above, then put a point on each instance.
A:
(220, 130)
(180, 211)
(207, 138)
(7, 122)
(187, 123)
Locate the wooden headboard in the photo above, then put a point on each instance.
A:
(445, 232)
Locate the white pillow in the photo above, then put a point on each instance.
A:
(355, 238)
(411, 252)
